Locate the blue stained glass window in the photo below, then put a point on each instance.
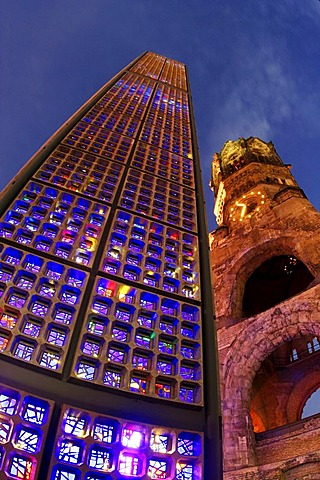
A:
(47, 288)
(91, 348)
(75, 423)
(116, 355)
(143, 339)
(17, 298)
(9, 402)
(190, 313)
(6, 272)
(96, 326)
(101, 305)
(112, 378)
(188, 331)
(5, 430)
(32, 263)
(24, 280)
(166, 346)
(50, 360)
(32, 328)
(75, 278)
(105, 430)
(184, 471)
(56, 337)
(23, 351)
(158, 468)
(21, 467)
(147, 319)
(189, 444)
(64, 473)
(188, 351)
(165, 367)
(35, 410)
(70, 451)
(170, 307)
(163, 390)
(187, 394)
(85, 370)
(138, 384)
(149, 301)
(63, 314)
(54, 270)
(70, 295)
(28, 439)
(39, 306)
(100, 458)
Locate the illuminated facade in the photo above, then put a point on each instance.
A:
(265, 262)
(101, 322)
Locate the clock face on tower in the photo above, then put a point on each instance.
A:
(246, 206)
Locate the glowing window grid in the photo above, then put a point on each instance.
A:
(24, 420)
(86, 173)
(129, 97)
(165, 201)
(152, 254)
(39, 304)
(167, 125)
(174, 73)
(164, 164)
(149, 65)
(56, 222)
(141, 342)
(105, 447)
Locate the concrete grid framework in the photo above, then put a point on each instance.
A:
(106, 319)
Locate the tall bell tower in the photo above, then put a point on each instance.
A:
(266, 262)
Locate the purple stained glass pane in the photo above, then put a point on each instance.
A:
(116, 355)
(165, 367)
(187, 394)
(91, 348)
(32, 329)
(50, 360)
(112, 378)
(23, 351)
(56, 337)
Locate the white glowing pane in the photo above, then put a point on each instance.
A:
(132, 438)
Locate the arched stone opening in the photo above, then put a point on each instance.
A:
(283, 382)
(274, 281)
(251, 348)
(251, 260)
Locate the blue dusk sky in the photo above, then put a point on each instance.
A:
(254, 70)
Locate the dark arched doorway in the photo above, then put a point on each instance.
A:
(276, 279)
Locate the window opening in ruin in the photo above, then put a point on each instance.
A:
(274, 281)
(312, 405)
(283, 383)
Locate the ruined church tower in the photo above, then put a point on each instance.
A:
(266, 266)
